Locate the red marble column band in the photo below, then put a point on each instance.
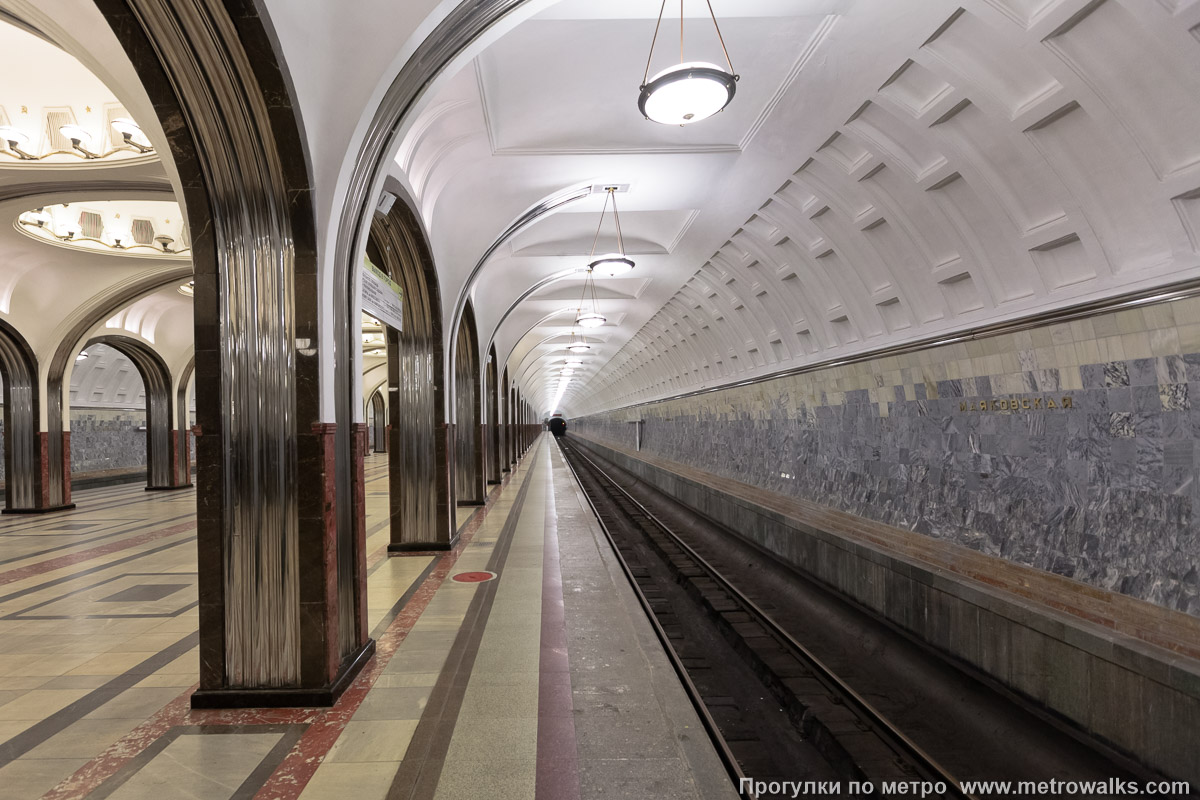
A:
(66, 468)
(41, 484)
(181, 473)
(447, 501)
(43, 468)
(362, 445)
(325, 576)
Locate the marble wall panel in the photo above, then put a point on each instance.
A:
(1072, 448)
(102, 439)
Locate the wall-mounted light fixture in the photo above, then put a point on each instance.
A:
(68, 230)
(128, 129)
(81, 140)
(689, 91)
(16, 140)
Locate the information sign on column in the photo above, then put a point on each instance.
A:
(382, 297)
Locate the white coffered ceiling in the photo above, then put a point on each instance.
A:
(887, 171)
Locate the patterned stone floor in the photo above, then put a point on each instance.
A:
(543, 682)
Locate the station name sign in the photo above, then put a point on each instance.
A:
(1018, 404)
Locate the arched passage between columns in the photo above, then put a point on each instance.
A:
(58, 444)
(160, 435)
(468, 430)
(183, 428)
(420, 444)
(378, 422)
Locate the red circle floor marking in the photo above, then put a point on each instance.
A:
(474, 577)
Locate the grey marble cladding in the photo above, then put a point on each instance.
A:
(1105, 491)
(102, 439)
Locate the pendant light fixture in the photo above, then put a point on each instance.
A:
(689, 91)
(591, 318)
(610, 265)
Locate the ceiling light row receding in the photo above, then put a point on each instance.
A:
(679, 95)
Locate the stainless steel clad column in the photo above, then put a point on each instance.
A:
(270, 623)
(21, 462)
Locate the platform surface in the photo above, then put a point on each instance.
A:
(544, 681)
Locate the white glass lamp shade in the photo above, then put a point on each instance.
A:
(81, 357)
(126, 126)
(590, 319)
(574, 362)
(15, 135)
(611, 265)
(568, 372)
(579, 347)
(75, 133)
(687, 93)
(68, 230)
(117, 234)
(39, 218)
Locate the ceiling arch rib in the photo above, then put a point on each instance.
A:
(789, 310)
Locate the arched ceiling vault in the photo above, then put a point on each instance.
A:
(888, 172)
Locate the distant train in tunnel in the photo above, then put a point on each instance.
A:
(558, 426)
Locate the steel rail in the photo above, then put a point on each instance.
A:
(827, 675)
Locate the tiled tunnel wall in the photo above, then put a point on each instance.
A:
(1070, 448)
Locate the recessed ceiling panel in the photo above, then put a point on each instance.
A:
(572, 234)
(554, 85)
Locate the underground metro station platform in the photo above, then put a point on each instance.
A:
(589, 399)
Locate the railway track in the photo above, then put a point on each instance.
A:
(779, 716)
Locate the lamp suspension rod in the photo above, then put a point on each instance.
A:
(617, 219)
(661, 8)
(601, 224)
(592, 284)
(720, 38)
(680, 31)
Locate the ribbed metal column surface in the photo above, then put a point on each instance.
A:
(20, 424)
(252, 294)
(258, 395)
(183, 465)
(414, 372)
(466, 412)
(414, 460)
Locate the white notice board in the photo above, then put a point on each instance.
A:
(382, 297)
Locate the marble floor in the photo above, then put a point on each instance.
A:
(544, 681)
